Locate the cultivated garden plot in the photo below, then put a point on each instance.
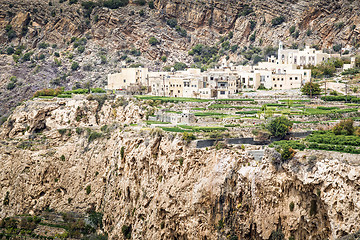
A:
(234, 118)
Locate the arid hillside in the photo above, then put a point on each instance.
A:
(73, 43)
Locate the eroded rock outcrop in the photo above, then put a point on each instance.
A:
(161, 186)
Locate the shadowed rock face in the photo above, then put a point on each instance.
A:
(163, 188)
(114, 32)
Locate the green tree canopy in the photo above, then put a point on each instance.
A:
(311, 88)
(279, 126)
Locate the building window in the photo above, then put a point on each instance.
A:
(282, 79)
(296, 78)
(275, 85)
(222, 92)
(124, 80)
(178, 91)
(290, 78)
(280, 85)
(304, 73)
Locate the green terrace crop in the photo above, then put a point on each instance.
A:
(220, 106)
(248, 112)
(331, 138)
(210, 114)
(171, 99)
(186, 128)
(314, 111)
(156, 122)
(294, 101)
(342, 98)
(324, 140)
(183, 99)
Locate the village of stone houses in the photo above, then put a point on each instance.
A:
(282, 100)
(180, 119)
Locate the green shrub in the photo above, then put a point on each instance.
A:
(94, 135)
(75, 66)
(178, 66)
(88, 189)
(188, 136)
(234, 48)
(103, 59)
(81, 49)
(252, 24)
(296, 34)
(291, 206)
(10, 50)
(313, 208)
(57, 62)
(225, 45)
(277, 235)
(163, 58)
(126, 231)
(48, 92)
(252, 37)
(26, 56)
(345, 125)
(172, 22)
(140, 2)
(181, 31)
(153, 41)
(122, 152)
(10, 85)
(79, 130)
(181, 161)
(6, 200)
(287, 152)
(339, 25)
(115, 3)
(292, 29)
(246, 10)
(62, 131)
(43, 45)
(151, 5)
(277, 21)
(62, 158)
(220, 224)
(337, 48)
(11, 34)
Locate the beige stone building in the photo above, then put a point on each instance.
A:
(226, 82)
(128, 77)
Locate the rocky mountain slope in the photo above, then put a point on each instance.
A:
(65, 43)
(76, 154)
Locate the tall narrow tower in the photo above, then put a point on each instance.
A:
(281, 48)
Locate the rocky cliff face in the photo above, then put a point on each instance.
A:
(60, 155)
(119, 37)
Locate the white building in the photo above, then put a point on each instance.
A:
(308, 56)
